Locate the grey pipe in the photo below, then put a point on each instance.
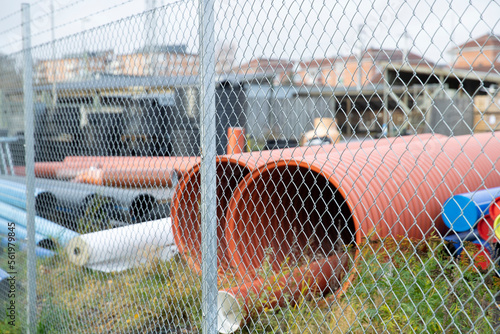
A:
(125, 205)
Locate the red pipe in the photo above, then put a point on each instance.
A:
(486, 230)
(373, 193)
(481, 257)
(495, 208)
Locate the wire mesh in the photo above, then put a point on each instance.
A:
(346, 151)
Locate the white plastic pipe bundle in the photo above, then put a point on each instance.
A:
(124, 247)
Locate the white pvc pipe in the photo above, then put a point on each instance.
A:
(123, 248)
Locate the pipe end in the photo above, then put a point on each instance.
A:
(496, 227)
(229, 313)
(78, 251)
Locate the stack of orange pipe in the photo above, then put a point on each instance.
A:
(117, 171)
(128, 177)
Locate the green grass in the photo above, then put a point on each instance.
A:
(422, 289)
(136, 301)
(400, 286)
(20, 295)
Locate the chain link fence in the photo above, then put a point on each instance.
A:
(250, 166)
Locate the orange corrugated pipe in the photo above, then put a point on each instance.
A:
(128, 177)
(186, 205)
(230, 171)
(373, 193)
(236, 140)
(73, 166)
(180, 164)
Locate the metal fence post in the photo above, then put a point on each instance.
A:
(30, 162)
(208, 169)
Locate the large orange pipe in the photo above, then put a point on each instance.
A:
(371, 193)
(230, 171)
(186, 221)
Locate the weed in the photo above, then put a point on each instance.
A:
(96, 215)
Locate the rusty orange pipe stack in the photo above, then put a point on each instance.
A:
(117, 171)
(128, 177)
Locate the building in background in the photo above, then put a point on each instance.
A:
(481, 54)
(72, 67)
(280, 70)
(158, 60)
(356, 71)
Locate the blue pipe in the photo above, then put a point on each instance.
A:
(3, 274)
(42, 226)
(457, 239)
(39, 251)
(14, 193)
(462, 212)
(459, 248)
(20, 233)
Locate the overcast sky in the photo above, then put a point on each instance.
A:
(280, 29)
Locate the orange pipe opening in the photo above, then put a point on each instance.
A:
(486, 228)
(495, 208)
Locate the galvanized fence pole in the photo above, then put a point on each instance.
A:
(30, 163)
(208, 169)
